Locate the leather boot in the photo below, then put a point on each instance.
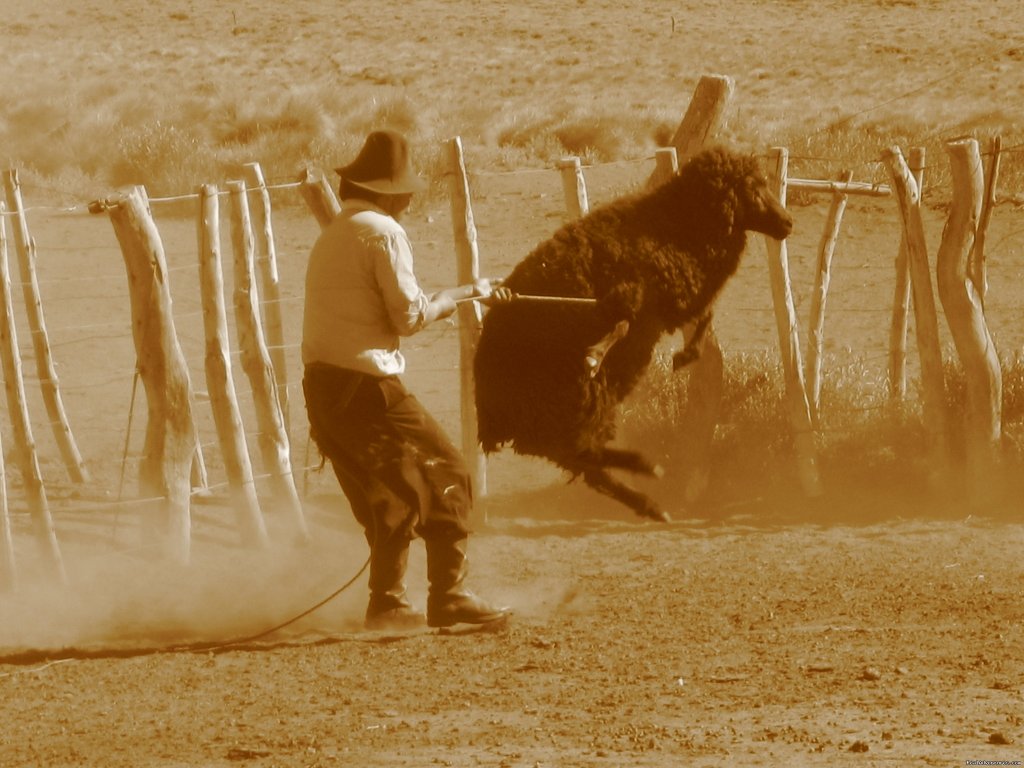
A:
(449, 602)
(389, 609)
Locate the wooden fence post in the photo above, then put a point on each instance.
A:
(170, 431)
(26, 249)
(469, 313)
(819, 297)
(666, 165)
(574, 185)
(789, 337)
(8, 569)
(198, 476)
(319, 196)
(976, 265)
(897, 372)
(21, 426)
(925, 319)
(273, 438)
(703, 117)
(219, 381)
(270, 284)
(961, 295)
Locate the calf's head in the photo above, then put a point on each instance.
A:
(727, 194)
(758, 210)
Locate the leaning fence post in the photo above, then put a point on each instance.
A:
(703, 117)
(925, 319)
(470, 316)
(819, 297)
(170, 432)
(962, 300)
(21, 426)
(319, 196)
(897, 373)
(574, 185)
(26, 249)
(270, 283)
(273, 438)
(789, 337)
(219, 381)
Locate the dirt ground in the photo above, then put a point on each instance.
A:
(705, 644)
(778, 631)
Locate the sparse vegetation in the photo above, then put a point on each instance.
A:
(520, 97)
(869, 446)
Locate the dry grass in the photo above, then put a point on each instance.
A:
(182, 95)
(869, 446)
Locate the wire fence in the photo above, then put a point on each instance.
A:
(87, 303)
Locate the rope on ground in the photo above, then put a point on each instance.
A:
(260, 635)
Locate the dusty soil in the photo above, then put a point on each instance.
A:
(777, 631)
(739, 642)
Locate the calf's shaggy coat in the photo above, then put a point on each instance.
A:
(550, 376)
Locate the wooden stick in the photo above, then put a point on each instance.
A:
(21, 426)
(961, 298)
(270, 284)
(219, 381)
(897, 371)
(574, 186)
(319, 196)
(170, 442)
(789, 338)
(539, 299)
(819, 297)
(470, 318)
(977, 265)
(273, 438)
(925, 319)
(45, 369)
(845, 187)
(198, 475)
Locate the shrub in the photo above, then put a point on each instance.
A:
(167, 158)
(872, 451)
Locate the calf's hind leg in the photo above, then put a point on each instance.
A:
(631, 461)
(692, 349)
(596, 352)
(599, 479)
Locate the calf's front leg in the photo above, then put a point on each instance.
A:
(596, 352)
(692, 349)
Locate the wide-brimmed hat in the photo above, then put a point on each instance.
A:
(383, 166)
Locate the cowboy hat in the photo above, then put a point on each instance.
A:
(383, 166)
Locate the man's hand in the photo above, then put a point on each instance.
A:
(491, 292)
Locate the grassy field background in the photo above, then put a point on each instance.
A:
(176, 94)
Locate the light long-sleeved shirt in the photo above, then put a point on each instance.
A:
(361, 293)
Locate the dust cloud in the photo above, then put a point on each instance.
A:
(125, 599)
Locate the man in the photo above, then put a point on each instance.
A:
(401, 474)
